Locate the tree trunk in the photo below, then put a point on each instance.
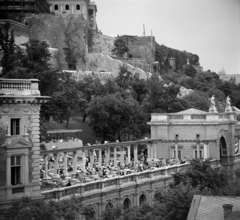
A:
(68, 122)
(119, 136)
(84, 117)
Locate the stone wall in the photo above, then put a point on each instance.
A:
(102, 43)
(61, 32)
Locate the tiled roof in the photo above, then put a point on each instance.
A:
(191, 111)
(210, 207)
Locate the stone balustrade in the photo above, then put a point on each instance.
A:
(19, 87)
(86, 189)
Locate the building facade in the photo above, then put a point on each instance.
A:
(85, 7)
(20, 102)
(23, 6)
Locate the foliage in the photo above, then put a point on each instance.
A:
(203, 175)
(7, 46)
(121, 44)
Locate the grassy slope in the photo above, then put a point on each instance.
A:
(75, 123)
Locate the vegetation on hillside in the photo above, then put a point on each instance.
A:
(121, 107)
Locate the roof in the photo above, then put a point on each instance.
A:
(191, 111)
(210, 207)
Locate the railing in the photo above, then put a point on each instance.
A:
(175, 116)
(198, 117)
(15, 85)
(163, 173)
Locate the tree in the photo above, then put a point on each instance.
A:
(124, 77)
(121, 44)
(7, 46)
(203, 175)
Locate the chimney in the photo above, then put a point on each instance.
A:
(227, 210)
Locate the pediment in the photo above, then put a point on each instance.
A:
(19, 143)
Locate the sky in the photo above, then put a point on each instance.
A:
(208, 28)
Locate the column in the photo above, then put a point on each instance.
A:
(198, 152)
(83, 161)
(55, 164)
(176, 150)
(65, 163)
(107, 156)
(155, 150)
(205, 153)
(115, 156)
(148, 151)
(152, 150)
(135, 153)
(74, 161)
(129, 154)
(26, 171)
(91, 158)
(122, 155)
(8, 170)
(46, 165)
(100, 157)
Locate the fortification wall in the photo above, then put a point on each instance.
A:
(61, 32)
(102, 43)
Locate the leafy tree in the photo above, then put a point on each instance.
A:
(124, 77)
(121, 44)
(7, 46)
(203, 175)
(190, 71)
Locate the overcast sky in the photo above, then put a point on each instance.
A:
(208, 28)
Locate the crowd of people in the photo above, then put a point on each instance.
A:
(96, 172)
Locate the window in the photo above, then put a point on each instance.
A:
(200, 154)
(56, 7)
(15, 170)
(66, 7)
(15, 126)
(179, 155)
(77, 7)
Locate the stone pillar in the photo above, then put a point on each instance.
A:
(26, 170)
(73, 8)
(8, 174)
(46, 165)
(100, 157)
(65, 163)
(205, 151)
(155, 151)
(122, 155)
(129, 153)
(83, 161)
(176, 151)
(91, 158)
(115, 156)
(135, 148)
(107, 154)
(198, 150)
(55, 163)
(74, 161)
(148, 151)
(152, 150)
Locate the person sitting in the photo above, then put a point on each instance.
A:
(69, 183)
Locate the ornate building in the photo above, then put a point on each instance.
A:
(20, 102)
(85, 7)
(23, 6)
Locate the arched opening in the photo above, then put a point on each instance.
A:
(223, 150)
(67, 7)
(127, 204)
(77, 7)
(109, 206)
(56, 7)
(89, 213)
(142, 199)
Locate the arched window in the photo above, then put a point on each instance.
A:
(55, 7)
(77, 7)
(66, 7)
